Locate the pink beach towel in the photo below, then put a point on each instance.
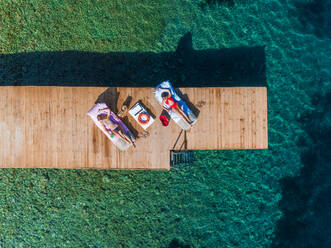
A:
(94, 112)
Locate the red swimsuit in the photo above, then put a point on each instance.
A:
(174, 105)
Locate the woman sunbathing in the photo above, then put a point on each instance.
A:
(173, 105)
(112, 127)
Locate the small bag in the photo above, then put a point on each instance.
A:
(164, 120)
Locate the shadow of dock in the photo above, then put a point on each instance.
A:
(186, 67)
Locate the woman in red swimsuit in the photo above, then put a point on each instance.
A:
(168, 100)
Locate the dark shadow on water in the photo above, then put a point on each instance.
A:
(175, 243)
(315, 17)
(305, 203)
(186, 67)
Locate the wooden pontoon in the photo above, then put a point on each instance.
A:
(47, 127)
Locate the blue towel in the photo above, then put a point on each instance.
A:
(182, 104)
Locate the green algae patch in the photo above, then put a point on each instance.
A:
(80, 25)
(75, 208)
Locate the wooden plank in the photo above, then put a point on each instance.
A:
(47, 127)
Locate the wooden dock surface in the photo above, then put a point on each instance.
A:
(47, 127)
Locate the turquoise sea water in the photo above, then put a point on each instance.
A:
(278, 197)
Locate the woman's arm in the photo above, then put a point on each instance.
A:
(107, 111)
(162, 105)
(104, 126)
(165, 89)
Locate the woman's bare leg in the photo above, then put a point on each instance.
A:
(126, 137)
(122, 136)
(176, 110)
(185, 115)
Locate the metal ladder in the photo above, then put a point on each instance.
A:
(181, 157)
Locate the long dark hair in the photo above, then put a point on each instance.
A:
(164, 94)
(101, 117)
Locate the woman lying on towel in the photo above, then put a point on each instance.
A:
(173, 105)
(113, 128)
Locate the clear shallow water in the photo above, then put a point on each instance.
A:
(276, 197)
